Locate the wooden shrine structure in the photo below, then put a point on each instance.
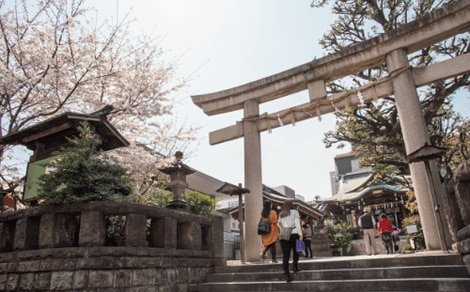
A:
(46, 137)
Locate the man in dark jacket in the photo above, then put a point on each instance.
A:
(367, 223)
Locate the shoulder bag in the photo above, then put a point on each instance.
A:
(285, 233)
(264, 226)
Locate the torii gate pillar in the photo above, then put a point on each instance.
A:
(415, 135)
(253, 180)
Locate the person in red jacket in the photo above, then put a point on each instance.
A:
(385, 229)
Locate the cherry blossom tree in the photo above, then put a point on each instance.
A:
(55, 57)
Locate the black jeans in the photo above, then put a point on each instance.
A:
(387, 241)
(308, 248)
(287, 246)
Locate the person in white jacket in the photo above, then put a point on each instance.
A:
(290, 218)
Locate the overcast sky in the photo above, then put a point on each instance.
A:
(222, 44)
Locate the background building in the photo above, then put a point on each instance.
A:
(355, 187)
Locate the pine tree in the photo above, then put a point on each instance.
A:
(80, 176)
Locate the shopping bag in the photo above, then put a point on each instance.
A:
(300, 247)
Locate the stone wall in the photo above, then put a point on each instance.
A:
(462, 195)
(321, 245)
(65, 248)
(358, 247)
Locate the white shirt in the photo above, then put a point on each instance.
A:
(292, 220)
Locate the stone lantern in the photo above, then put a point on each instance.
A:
(177, 185)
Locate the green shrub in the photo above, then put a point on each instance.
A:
(339, 235)
(199, 203)
(417, 237)
(80, 176)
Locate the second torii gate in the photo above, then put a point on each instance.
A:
(393, 49)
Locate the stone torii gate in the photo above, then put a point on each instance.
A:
(391, 48)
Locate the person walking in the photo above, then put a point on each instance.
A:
(367, 223)
(385, 229)
(289, 219)
(396, 239)
(269, 240)
(307, 235)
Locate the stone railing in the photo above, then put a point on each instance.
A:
(69, 248)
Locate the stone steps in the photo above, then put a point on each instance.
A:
(418, 284)
(427, 272)
(353, 274)
(352, 262)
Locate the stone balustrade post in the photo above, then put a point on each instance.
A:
(66, 230)
(92, 229)
(189, 235)
(136, 227)
(216, 238)
(7, 235)
(2, 237)
(20, 234)
(47, 231)
(163, 232)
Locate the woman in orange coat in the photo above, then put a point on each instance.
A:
(269, 240)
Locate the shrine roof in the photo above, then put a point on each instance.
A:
(67, 122)
(300, 205)
(353, 181)
(347, 154)
(231, 189)
(278, 198)
(354, 188)
(354, 196)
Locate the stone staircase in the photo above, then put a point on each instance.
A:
(417, 272)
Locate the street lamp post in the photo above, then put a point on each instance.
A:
(231, 189)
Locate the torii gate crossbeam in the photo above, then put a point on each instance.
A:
(381, 88)
(391, 48)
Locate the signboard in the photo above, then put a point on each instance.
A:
(411, 229)
(35, 170)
